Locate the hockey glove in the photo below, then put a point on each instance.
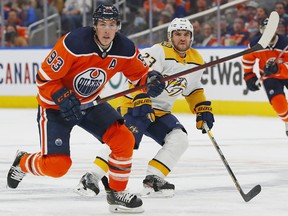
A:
(143, 107)
(203, 112)
(252, 81)
(270, 68)
(69, 105)
(156, 87)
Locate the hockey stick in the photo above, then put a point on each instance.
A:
(280, 54)
(262, 43)
(254, 191)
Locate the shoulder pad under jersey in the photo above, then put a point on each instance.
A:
(166, 44)
(122, 46)
(254, 40)
(282, 42)
(192, 55)
(81, 41)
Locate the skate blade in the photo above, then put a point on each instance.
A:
(79, 189)
(123, 209)
(149, 192)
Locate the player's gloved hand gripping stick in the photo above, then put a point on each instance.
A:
(203, 111)
(69, 105)
(271, 67)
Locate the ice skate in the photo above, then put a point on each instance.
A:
(15, 174)
(88, 185)
(154, 186)
(123, 202)
(286, 128)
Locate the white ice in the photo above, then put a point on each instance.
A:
(256, 148)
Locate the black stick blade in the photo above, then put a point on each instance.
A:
(252, 193)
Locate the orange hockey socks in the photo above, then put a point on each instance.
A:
(279, 104)
(121, 142)
(54, 165)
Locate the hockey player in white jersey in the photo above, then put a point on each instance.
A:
(155, 118)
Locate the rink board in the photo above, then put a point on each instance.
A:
(181, 106)
(223, 83)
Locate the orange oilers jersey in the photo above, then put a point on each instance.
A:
(77, 62)
(270, 53)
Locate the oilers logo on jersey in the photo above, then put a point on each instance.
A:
(89, 81)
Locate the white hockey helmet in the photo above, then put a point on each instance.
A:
(180, 24)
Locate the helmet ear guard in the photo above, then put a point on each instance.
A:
(179, 24)
(106, 12)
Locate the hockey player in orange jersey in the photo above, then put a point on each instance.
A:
(273, 72)
(168, 57)
(73, 74)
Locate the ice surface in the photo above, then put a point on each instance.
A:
(256, 149)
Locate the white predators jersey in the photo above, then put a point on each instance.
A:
(164, 59)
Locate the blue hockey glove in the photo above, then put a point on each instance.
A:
(69, 104)
(203, 112)
(270, 68)
(143, 107)
(252, 81)
(139, 118)
(156, 87)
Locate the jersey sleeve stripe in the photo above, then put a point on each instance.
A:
(248, 66)
(44, 75)
(45, 100)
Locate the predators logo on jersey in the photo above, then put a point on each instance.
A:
(176, 86)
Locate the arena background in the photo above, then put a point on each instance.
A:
(223, 83)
